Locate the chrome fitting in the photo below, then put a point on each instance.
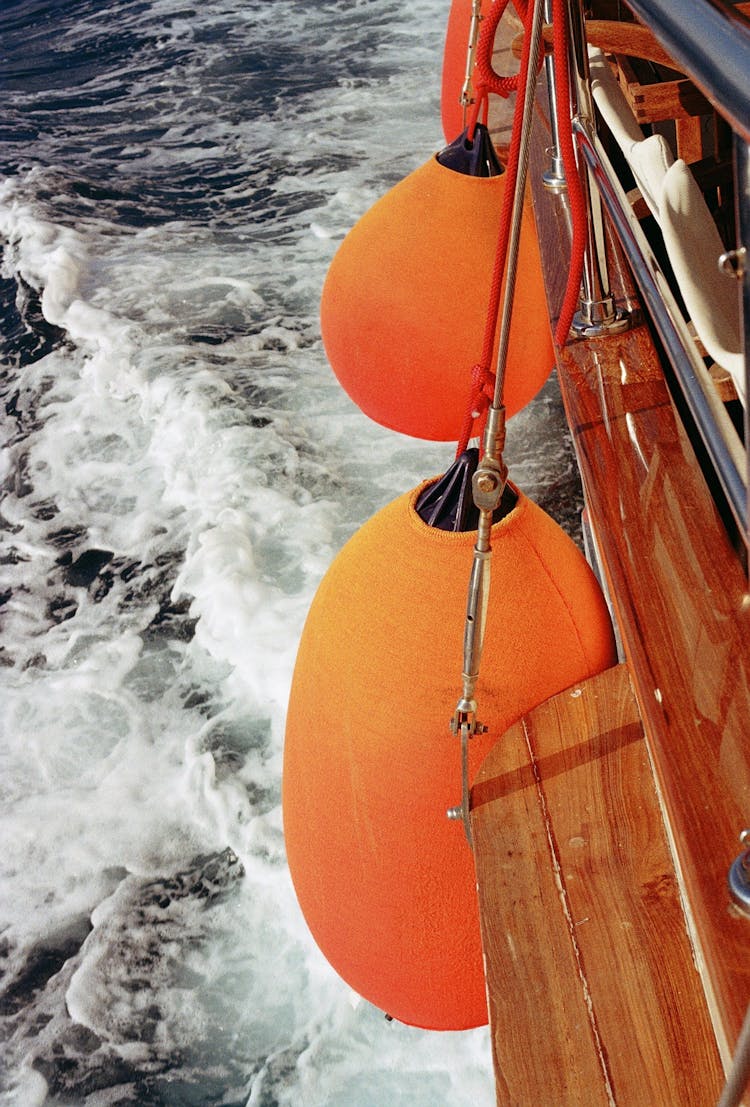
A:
(738, 877)
(599, 317)
(732, 263)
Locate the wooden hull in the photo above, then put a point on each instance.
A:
(605, 825)
(679, 593)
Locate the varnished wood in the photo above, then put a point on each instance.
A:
(724, 383)
(612, 36)
(681, 599)
(615, 36)
(659, 97)
(593, 994)
(664, 95)
(689, 138)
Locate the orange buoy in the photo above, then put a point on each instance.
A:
(455, 53)
(385, 881)
(404, 304)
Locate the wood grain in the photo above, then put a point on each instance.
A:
(681, 599)
(612, 36)
(658, 98)
(615, 36)
(594, 997)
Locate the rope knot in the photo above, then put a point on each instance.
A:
(480, 397)
(482, 389)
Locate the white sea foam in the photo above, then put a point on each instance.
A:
(152, 933)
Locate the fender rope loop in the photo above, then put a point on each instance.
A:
(481, 106)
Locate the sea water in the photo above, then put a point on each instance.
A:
(179, 467)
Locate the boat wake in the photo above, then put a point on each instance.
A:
(179, 467)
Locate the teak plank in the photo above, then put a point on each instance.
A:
(615, 36)
(610, 35)
(593, 993)
(665, 99)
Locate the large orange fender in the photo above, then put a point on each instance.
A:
(404, 304)
(385, 881)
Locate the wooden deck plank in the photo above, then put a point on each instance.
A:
(544, 1049)
(593, 993)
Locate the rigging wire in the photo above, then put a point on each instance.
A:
(489, 480)
(482, 379)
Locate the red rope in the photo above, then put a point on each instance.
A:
(486, 73)
(487, 79)
(482, 377)
(572, 178)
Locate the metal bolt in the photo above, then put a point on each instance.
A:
(486, 482)
(732, 263)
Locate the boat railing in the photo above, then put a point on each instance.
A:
(710, 40)
(685, 33)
